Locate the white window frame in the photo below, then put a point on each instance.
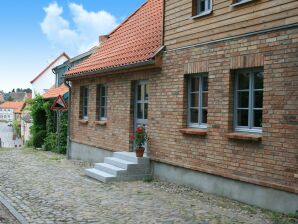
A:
(250, 127)
(200, 107)
(206, 11)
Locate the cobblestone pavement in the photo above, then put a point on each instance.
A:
(45, 188)
(6, 217)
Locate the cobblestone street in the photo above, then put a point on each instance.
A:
(45, 188)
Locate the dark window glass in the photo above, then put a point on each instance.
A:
(243, 99)
(258, 99)
(258, 118)
(195, 84)
(242, 117)
(243, 81)
(194, 116)
(194, 100)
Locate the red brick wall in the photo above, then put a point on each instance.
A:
(115, 134)
(271, 162)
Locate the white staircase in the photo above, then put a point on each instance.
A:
(123, 166)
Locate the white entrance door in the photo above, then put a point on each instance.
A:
(141, 105)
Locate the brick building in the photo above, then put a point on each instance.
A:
(222, 113)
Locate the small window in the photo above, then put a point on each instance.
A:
(201, 7)
(248, 100)
(101, 102)
(84, 98)
(198, 101)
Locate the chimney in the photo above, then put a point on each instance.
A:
(103, 38)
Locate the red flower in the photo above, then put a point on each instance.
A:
(131, 137)
(139, 129)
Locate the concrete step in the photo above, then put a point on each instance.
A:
(108, 168)
(124, 164)
(130, 156)
(100, 175)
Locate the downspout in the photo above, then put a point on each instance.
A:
(67, 83)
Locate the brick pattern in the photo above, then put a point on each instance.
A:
(270, 162)
(114, 133)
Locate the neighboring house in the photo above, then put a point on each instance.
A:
(60, 88)
(61, 69)
(10, 110)
(26, 123)
(46, 79)
(18, 96)
(222, 111)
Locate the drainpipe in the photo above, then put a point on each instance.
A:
(68, 117)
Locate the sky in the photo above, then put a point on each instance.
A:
(35, 32)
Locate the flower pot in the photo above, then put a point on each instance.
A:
(140, 151)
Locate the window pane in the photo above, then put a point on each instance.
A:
(194, 116)
(204, 116)
(205, 83)
(258, 80)
(243, 99)
(146, 92)
(102, 112)
(202, 5)
(85, 111)
(103, 91)
(140, 111)
(102, 101)
(242, 117)
(205, 99)
(258, 118)
(195, 84)
(258, 99)
(139, 92)
(146, 111)
(243, 80)
(194, 100)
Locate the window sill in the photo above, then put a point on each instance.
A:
(100, 123)
(192, 131)
(245, 136)
(83, 121)
(201, 15)
(241, 3)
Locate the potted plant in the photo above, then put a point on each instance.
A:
(139, 137)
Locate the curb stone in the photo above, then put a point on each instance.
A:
(14, 212)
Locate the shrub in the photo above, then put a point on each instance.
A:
(38, 138)
(50, 142)
(29, 143)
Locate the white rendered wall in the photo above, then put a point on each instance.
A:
(47, 80)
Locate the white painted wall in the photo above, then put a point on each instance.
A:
(47, 80)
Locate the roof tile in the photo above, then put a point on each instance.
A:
(136, 40)
(55, 92)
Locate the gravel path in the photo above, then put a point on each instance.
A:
(45, 188)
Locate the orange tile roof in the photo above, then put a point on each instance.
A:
(53, 62)
(16, 106)
(55, 92)
(136, 40)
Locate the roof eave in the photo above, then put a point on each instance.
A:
(114, 69)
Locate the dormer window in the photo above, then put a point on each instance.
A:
(202, 7)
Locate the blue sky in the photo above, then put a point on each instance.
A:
(34, 32)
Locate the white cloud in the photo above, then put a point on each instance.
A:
(87, 27)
